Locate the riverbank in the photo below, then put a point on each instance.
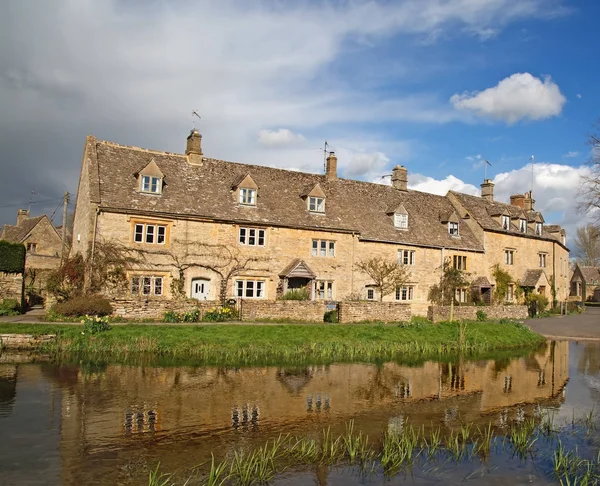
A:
(254, 344)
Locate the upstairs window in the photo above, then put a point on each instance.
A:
(151, 184)
(32, 247)
(406, 257)
(316, 204)
(538, 229)
(505, 220)
(401, 220)
(522, 226)
(150, 233)
(248, 196)
(542, 259)
(459, 262)
(453, 229)
(509, 257)
(252, 237)
(323, 248)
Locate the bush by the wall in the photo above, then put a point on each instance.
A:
(10, 307)
(12, 257)
(296, 294)
(331, 316)
(92, 305)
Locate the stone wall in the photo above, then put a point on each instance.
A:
(156, 308)
(357, 311)
(11, 286)
(297, 310)
(442, 313)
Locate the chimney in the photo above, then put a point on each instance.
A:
(400, 178)
(22, 215)
(517, 200)
(331, 167)
(487, 190)
(193, 148)
(528, 202)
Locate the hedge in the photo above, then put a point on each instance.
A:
(12, 257)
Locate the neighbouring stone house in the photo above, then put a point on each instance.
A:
(43, 243)
(585, 283)
(205, 227)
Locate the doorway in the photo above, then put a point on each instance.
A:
(200, 288)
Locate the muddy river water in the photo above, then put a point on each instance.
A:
(108, 424)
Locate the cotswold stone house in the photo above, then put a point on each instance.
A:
(585, 283)
(207, 228)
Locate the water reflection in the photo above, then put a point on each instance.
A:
(118, 421)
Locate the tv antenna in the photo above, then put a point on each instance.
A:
(324, 150)
(195, 114)
(531, 193)
(31, 200)
(485, 166)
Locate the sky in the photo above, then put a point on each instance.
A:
(438, 86)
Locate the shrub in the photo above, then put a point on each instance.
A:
(296, 294)
(481, 316)
(83, 305)
(537, 303)
(419, 321)
(331, 316)
(171, 316)
(12, 257)
(220, 314)
(95, 324)
(10, 307)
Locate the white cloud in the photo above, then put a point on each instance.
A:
(570, 155)
(515, 98)
(578, 96)
(423, 183)
(283, 136)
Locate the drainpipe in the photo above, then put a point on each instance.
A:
(553, 289)
(352, 269)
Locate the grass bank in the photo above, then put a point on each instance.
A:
(274, 344)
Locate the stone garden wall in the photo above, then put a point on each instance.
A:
(297, 310)
(358, 311)
(156, 308)
(11, 286)
(442, 313)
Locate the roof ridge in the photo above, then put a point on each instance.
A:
(138, 149)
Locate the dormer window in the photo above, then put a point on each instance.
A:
(538, 229)
(453, 229)
(523, 226)
(151, 184)
(248, 196)
(505, 220)
(316, 204)
(401, 220)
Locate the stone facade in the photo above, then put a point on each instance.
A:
(296, 310)
(357, 311)
(442, 313)
(11, 286)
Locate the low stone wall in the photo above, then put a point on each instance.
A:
(357, 311)
(442, 313)
(297, 310)
(24, 341)
(156, 308)
(11, 286)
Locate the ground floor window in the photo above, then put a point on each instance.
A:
(405, 293)
(146, 285)
(370, 294)
(250, 289)
(324, 290)
(461, 295)
(510, 293)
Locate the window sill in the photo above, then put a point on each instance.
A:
(148, 193)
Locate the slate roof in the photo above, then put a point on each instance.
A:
(590, 274)
(205, 191)
(483, 212)
(16, 234)
(531, 277)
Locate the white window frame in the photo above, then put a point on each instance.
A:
(401, 220)
(461, 295)
(247, 196)
(323, 289)
(509, 256)
(322, 248)
(150, 234)
(405, 293)
(523, 225)
(542, 259)
(505, 222)
(252, 236)
(151, 184)
(250, 288)
(509, 296)
(453, 229)
(316, 204)
(146, 285)
(406, 257)
(538, 228)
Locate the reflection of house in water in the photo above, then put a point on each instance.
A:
(141, 411)
(8, 388)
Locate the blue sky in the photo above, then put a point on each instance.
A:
(435, 85)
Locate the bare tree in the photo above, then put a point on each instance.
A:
(387, 275)
(587, 245)
(589, 197)
(226, 261)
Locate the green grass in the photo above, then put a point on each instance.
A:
(274, 344)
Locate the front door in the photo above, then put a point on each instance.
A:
(200, 288)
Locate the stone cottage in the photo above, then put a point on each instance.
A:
(206, 228)
(585, 283)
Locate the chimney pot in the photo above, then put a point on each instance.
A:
(331, 167)
(193, 147)
(528, 202)
(487, 190)
(400, 178)
(22, 215)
